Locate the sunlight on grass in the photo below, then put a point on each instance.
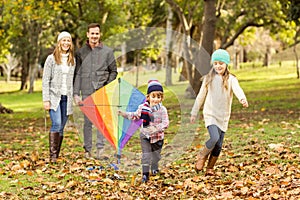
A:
(14, 86)
(9, 86)
(21, 101)
(272, 72)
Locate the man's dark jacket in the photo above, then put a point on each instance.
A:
(94, 69)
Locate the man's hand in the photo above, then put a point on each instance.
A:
(77, 100)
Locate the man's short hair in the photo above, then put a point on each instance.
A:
(93, 25)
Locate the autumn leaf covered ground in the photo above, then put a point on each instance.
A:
(260, 158)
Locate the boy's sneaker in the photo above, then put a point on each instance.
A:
(99, 153)
(145, 178)
(155, 172)
(88, 155)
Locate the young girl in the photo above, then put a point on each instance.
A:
(216, 92)
(155, 121)
(58, 89)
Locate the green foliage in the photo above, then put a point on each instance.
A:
(236, 16)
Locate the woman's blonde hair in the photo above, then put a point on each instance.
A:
(211, 74)
(57, 54)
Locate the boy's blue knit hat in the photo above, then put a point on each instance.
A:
(154, 85)
(220, 55)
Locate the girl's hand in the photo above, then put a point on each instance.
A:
(244, 102)
(47, 105)
(192, 119)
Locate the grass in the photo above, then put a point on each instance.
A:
(272, 118)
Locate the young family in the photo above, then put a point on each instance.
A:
(70, 76)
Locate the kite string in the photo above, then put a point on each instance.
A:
(45, 117)
(112, 105)
(119, 106)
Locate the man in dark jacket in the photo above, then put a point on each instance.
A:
(95, 67)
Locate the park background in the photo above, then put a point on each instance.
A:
(261, 149)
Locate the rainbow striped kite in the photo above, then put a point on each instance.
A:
(101, 108)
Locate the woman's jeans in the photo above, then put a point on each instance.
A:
(216, 140)
(59, 117)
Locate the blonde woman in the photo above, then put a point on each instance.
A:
(58, 90)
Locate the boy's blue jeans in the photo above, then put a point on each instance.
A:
(59, 117)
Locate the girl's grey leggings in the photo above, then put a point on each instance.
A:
(215, 141)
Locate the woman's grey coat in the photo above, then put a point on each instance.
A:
(52, 84)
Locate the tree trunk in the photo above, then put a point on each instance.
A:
(123, 56)
(297, 61)
(169, 48)
(137, 63)
(25, 71)
(34, 54)
(12, 63)
(32, 76)
(206, 43)
(245, 55)
(267, 56)
(183, 73)
(209, 26)
(186, 26)
(295, 52)
(235, 56)
(33, 69)
(187, 56)
(8, 72)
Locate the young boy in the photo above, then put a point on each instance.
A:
(155, 121)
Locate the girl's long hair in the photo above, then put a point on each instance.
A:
(211, 74)
(57, 54)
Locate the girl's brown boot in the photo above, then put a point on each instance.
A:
(60, 140)
(210, 166)
(202, 157)
(53, 145)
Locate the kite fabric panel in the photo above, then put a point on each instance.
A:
(102, 109)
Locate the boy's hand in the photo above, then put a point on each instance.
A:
(244, 102)
(120, 112)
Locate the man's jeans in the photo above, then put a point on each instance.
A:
(88, 136)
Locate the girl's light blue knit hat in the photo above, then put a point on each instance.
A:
(220, 55)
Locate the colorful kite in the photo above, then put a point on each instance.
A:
(102, 109)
